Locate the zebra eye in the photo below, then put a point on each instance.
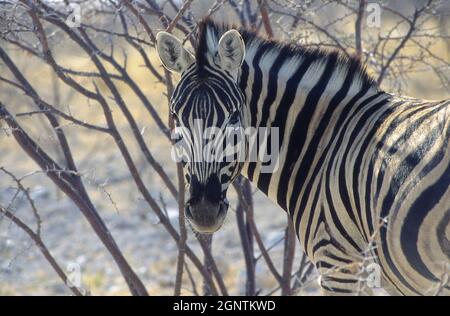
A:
(234, 118)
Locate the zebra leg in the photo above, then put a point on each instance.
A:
(342, 281)
(341, 272)
(345, 276)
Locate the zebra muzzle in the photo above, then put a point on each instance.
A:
(205, 216)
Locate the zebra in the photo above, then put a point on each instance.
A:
(363, 174)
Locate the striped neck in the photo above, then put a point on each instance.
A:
(304, 93)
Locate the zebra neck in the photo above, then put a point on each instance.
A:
(304, 99)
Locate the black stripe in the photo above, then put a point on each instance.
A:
(395, 147)
(358, 163)
(272, 88)
(369, 136)
(243, 78)
(311, 217)
(299, 132)
(338, 224)
(281, 115)
(337, 258)
(409, 163)
(423, 204)
(322, 243)
(340, 280)
(336, 221)
(361, 123)
(256, 93)
(340, 123)
(336, 290)
(311, 151)
(320, 220)
(329, 266)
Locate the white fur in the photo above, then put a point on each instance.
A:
(231, 50)
(172, 53)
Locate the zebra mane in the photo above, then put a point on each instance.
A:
(210, 33)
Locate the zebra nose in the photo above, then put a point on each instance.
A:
(205, 216)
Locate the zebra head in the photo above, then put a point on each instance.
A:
(207, 108)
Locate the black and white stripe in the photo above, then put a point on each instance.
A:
(364, 174)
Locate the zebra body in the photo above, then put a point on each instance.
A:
(364, 175)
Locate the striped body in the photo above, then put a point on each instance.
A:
(351, 156)
(364, 175)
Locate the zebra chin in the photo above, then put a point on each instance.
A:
(206, 217)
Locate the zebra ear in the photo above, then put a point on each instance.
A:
(172, 53)
(231, 50)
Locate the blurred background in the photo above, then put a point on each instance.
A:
(105, 213)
